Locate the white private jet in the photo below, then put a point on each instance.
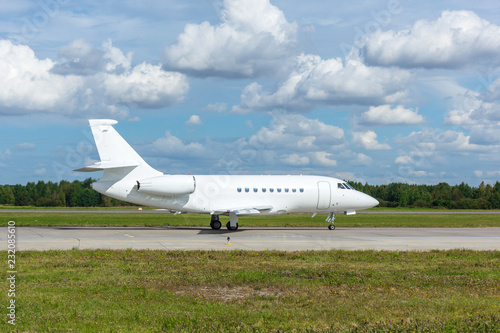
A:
(126, 176)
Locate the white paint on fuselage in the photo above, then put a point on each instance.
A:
(228, 192)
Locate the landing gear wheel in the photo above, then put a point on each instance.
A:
(331, 227)
(216, 225)
(228, 226)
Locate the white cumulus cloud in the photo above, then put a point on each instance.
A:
(28, 83)
(433, 151)
(295, 160)
(384, 115)
(296, 132)
(324, 158)
(423, 148)
(194, 120)
(362, 159)
(170, 145)
(81, 58)
(89, 79)
(146, 86)
(479, 114)
(315, 81)
(253, 39)
(368, 140)
(454, 40)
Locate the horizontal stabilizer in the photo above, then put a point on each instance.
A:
(99, 166)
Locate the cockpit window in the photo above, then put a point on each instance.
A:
(345, 186)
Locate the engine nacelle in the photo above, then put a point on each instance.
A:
(168, 185)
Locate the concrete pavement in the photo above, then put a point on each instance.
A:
(286, 239)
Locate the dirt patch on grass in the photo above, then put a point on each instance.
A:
(228, 294)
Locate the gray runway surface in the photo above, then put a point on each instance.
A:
(287, 239)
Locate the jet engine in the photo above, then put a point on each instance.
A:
(168, 185)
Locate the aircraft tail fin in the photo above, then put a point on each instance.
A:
(118, 158)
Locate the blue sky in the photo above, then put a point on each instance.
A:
(370, 91)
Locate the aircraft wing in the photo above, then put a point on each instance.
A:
(243, 210)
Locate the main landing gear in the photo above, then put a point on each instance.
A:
(331, 219)
(216, 225)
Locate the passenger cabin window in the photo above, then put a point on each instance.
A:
(343, 186)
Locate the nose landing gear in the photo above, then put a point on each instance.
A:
(331, 219)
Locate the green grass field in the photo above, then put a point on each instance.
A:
(246, 291)
(293, 220)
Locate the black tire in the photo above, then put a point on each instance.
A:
(216, 225)
(331, 227)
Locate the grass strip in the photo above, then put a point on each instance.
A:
(292, 220)
(265, 291)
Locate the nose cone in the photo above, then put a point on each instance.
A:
(365, 201)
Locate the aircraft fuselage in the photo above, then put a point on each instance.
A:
(215, 193)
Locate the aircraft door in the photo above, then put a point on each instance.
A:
(324, 195)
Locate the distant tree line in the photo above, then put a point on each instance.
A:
(80, 194)
(441, 195)
(62, 194)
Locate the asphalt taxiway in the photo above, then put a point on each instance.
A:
(286, 239)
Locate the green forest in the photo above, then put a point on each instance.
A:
(441, 195)
(80, 194)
